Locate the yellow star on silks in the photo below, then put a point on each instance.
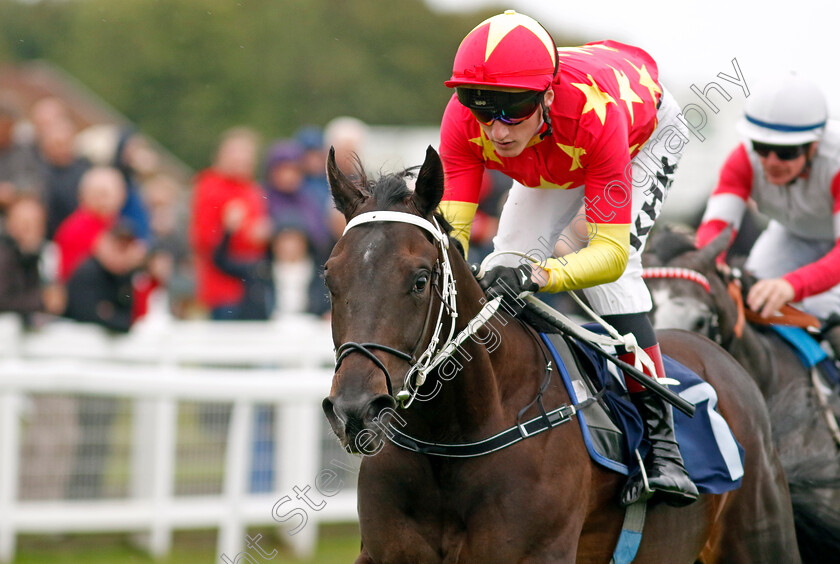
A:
(546, 185)
(501, 26)
(564, 51)
(601, 46)
(633, 148)
(646, 80)
(486, 148)
(561, 51)
(626, 93)
(574, 153)
(596, 99)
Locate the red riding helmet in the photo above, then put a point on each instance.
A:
(507, 50)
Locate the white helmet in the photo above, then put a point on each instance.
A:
(788, 110)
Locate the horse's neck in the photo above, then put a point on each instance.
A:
(751, 349)
(754, 348)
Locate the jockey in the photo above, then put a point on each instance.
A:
(789, 164)
(591, 140)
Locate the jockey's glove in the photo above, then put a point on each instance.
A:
(509, 282)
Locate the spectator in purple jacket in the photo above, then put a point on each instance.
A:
(283, 185)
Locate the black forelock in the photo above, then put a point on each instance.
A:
(390, 189)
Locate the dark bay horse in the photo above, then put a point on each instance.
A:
(395, 281)
(690, 292)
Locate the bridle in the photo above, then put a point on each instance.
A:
(674, 272)
(441, 344)
(733, 288)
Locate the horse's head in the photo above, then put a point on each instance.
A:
(385, 278)
(688, 291)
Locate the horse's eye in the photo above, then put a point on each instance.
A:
(420, 283)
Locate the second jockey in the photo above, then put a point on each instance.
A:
(789, 164)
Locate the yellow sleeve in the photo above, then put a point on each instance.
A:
(460, 216)
(602, 261)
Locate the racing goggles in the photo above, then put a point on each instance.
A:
(510, 108)
(783, 152)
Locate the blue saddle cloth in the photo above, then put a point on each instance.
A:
(713, 457)
(808, 349)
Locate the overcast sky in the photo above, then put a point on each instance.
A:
(692, 41)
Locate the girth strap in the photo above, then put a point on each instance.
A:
(631, 533)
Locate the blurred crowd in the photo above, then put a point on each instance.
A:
(93, 229)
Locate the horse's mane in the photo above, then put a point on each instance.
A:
(670, 242)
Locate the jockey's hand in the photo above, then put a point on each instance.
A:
(507, 281)
(766, 297)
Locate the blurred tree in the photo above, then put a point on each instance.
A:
(185, 70)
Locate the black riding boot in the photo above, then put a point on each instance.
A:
(666, 472)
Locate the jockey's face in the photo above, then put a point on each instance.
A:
(781, 172)
(511, 140)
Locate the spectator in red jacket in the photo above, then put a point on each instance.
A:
(230, 178)
(101, 196)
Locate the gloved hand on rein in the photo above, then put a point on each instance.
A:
(509, 282)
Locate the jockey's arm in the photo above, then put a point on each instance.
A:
(602, 261)
(605, 218)
(728, 200)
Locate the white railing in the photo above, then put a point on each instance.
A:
(285, 363)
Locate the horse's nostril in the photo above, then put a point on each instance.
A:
(334, 416)
(328, 407)
(377, 407)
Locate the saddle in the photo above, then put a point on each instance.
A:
(824, 370)
(804, 333)
(612, 428)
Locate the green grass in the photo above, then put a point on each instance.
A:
(339, 544)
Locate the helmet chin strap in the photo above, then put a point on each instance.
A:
(546, 119)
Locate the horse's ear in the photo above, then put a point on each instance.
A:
(716, 246)
(346, 195)
(428, 190)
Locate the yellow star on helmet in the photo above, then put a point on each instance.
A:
(646, 81)
(486, 148)
(574, 153)
(596, 99)
(626, 93)
(501, 25)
